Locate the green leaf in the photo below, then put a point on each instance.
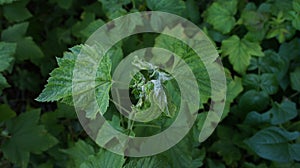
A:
(80, 152)
(6, 1)
(15, 32)
(59, 87)
(254, 100)
(295, 79)
(114, 8)
(6, 52)
(273, 144)
(256, 23)
(273, 63)
(251, 81)
(91, 28)
(192, 11)
(170, 6)
(6, 112)
(214, 164)
(26, 137)
(225, 146)
(26, 80)
(267, 82)
(282, 31)
(190, 58)
(148, 162)
(3, 83)
(28, 49)
(104, 159)
(254, 118)
(184, 154)
(17, 11)
(222, 18)
(66, 4)
(229, 152)
(283, 112)
(240, 52)
(295, 18)
(234, 88)
(296, 5)
(290, 50)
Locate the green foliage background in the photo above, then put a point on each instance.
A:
(259, 44)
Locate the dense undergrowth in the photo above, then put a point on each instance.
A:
(258, 41)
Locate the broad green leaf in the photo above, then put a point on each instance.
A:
(285, 165)
(214, 164)
(86, 18)
(190, 58)
(148, 162)
(225, 146)
(254, 100)
(278, 114)
(26, 137)
(282, 31)
(192, 11)
(295, 79)
(296, 5)
(221, 15)
(15, 32)
(17, 11)
(6, 52)
(6, 56)
(3, 83)
(283, 112)
(7, 1)
(255, 22)
(255, 118)
(273, 143)
(234, 88)
(240, 52)
(184, 154)
(104, 159)
(267, 82)
(170, 6)
(66, 4)
(59, 87)
(80, 152)
(28, 49)
(26, 80)
(290, 50)
(251, 81)
(295, 18)
(251, 165)
(53, 120)
(229, 152)
(273, 63)
(91, 28)
(6, 112)
(114, 8)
